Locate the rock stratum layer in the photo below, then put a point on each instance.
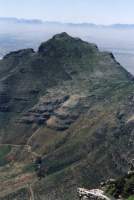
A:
(71, 104)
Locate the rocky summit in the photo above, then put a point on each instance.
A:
(72, 107)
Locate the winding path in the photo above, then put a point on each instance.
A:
(20, 182)
(29, 148)
(31, 192)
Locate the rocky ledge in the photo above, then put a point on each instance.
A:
(94, 194)
(54, 112)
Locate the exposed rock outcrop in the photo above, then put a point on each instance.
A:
(95, 194)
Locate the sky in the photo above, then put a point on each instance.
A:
(77, 11)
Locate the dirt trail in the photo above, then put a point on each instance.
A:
(19, 182)
(29, 148)
(31, 192)
(23, 181)
(16, 184)
(30, 138)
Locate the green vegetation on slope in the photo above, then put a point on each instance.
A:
(4, 150)
(131, 198)
(123, 187)
(73, 105)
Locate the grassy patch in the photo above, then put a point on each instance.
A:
(29, 168)
(4, 150)
(131, 198)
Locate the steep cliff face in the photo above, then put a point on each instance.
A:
(70, 104)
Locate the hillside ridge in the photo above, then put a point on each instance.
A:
(73, 106)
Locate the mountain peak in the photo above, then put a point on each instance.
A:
(63, 44)
(54, 102)
(62, 35)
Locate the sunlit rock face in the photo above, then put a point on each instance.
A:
(95, 194)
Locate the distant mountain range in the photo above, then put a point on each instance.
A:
(38, 21)
(16, 20)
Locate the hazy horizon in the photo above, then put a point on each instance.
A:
(98, 12)
(39, 20)
(120, 42)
